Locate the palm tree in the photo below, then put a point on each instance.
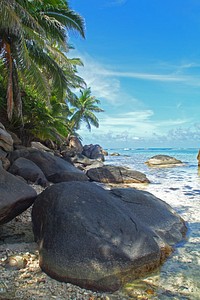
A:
(84, 108)
(33, 43)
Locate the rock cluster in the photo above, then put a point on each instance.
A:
(87, 235)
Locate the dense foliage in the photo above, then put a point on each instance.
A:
(37, 77)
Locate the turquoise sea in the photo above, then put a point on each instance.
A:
(179, 277)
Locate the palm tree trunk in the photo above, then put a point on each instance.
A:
(10, 80)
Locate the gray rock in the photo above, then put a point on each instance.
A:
(80, 158)
(3, 159)
(96, 164)
(115, 154)
(2, 126)
(54, 168)
(100, 239)
(75, 143)
(3, 154)
(15, 196)
(29, 171)
(6, 141)
(104, 152)
(163, 161)
(40, 146)
(84, 160)
(16, 140)
(68, 153)
(198, 158)
(5, 163)
(113, 174)
(93, 152)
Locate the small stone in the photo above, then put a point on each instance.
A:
(16, 284)
(41, 280)
(26, 275)
(150, 292)
(16, 262)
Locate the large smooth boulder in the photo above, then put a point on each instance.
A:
(29, 171)
(100, 239)
(6, 141)
(54, 168)
(15, 196)
(114, 174)
(163, 161)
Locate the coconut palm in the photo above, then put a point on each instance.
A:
(33, 43)
(84, 108)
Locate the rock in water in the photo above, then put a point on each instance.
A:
(100, 239)
(198, 158)
(163, 161)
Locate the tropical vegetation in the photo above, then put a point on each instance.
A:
(38, 80)
(84, 108)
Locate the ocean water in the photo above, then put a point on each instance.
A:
(179, 276)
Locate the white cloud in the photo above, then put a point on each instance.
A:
(179, 137)
(115, 2)
(103, 85)
(174, 77)
(106, 82)
(107, 88)
(135, 124)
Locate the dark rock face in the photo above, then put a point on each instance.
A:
(85, 162)
(16, 140)
(54, 168)
(3, 154)
(15, 196)
(29, 171)
(80, 158)
(163, 161)
(6, 141)
(113, 174)
(101, 239)
(93, 152)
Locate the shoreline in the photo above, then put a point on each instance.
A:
(32, 283)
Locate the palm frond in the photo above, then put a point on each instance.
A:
(35, 77)
(92, 118)
(70, 19)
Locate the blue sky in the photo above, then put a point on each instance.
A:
(142, 61)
